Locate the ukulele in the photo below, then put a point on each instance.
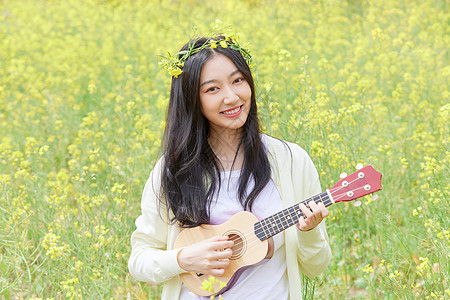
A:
(250, 235)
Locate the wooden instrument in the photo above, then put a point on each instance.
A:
(250, 234)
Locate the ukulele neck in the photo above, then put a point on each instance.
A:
(286, 218)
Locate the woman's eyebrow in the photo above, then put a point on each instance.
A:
(208, 81)
(234, 72)
(215, 80)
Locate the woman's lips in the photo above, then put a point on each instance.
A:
(232, 112)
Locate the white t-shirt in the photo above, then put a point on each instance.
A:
(266, 280)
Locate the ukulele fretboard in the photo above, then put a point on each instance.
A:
(286, 218)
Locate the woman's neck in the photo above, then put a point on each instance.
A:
(224, 144)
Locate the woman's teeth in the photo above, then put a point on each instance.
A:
(231, 112)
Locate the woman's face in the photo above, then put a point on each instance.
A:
(225, 95)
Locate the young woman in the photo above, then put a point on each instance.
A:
(216, 163)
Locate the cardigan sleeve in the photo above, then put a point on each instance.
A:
(313, 251)
(150, 259)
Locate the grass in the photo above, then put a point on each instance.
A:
(82, 106)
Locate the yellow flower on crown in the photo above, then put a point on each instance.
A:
(174, 64)
(213, 44)
(223, 44)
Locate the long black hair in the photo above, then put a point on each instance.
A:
(191, 171)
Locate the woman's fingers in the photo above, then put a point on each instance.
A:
(217, 243)
(306, 212)
(216, 272)
(225, 254)
(206, 257)
(313, 215)
(323, 210)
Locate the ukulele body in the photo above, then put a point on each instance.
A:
(248, 249)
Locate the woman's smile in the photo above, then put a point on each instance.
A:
(233, 112)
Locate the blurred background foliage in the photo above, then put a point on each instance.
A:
(82, 107)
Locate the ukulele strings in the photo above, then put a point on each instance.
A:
(277, 223)
(341, 187)
(338, 197)
(253, 238)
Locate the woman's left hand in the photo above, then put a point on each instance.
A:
(314, 216)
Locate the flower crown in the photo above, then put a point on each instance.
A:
(174, 64)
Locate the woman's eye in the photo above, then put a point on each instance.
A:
(212, 89)
(240, 79)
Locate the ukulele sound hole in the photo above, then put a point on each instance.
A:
(239, 246)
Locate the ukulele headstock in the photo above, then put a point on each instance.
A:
(358, 184)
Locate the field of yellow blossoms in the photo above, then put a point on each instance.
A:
(82, 107)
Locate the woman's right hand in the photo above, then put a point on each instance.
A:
(210, 256)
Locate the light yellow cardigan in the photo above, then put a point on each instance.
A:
(153, 260)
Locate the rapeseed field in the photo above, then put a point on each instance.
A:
(82, 108)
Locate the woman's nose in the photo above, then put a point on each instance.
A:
(230, 96)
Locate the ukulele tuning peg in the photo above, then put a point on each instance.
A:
(343, 175)
(374, 197)
(357, 203)
(359, 166)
